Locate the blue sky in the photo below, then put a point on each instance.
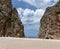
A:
(30, 12)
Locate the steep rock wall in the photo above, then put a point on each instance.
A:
(50, 23)
(10, 24)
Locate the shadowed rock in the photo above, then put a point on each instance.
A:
(50, 23)
(10, 24)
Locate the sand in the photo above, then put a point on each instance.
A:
(28, 43)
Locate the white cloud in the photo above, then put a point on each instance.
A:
(47, 1)
(27, 12)
(20, 12)
(38, 15)
(41, 3)
(29, 16)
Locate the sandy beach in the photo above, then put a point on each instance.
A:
(28, 43)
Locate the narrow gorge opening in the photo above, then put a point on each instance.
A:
(30, 13)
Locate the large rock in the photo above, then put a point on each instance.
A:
(10, 24)
(50, 23)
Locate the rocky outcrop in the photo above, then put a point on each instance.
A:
(10, 24)
(50, 23)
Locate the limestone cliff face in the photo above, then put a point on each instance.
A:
(10, 25)
(50, 23)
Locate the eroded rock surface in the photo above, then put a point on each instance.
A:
(50, 23)
(10, 24)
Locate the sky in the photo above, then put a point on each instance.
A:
(30, 12)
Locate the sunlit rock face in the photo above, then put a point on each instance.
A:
(50, 23)
(10, 24)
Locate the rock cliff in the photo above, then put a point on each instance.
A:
(50, 23)
(10, 24)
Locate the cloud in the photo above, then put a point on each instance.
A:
(29, 16)
(41, 3)
(31, 20)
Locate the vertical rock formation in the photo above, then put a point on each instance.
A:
(50, 23)
(10, 25)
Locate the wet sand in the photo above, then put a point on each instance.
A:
(28, 43)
